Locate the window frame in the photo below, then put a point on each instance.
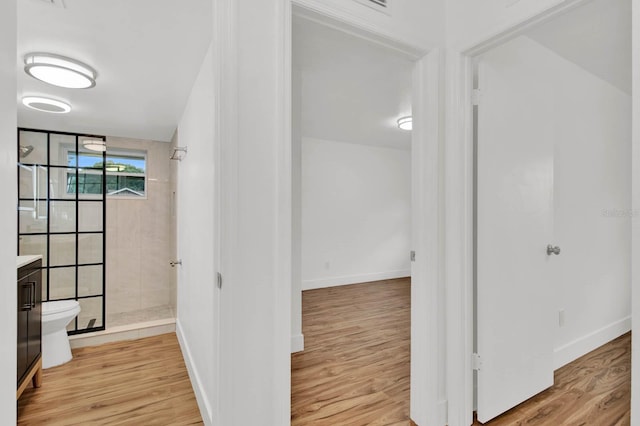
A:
(124, 152)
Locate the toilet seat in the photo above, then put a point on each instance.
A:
(58, 306)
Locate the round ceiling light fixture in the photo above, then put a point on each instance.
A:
(59, 71)
(405, 123)
(46, 104)
(97, 145)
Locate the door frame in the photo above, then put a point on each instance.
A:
(459, 202)
(427, 352)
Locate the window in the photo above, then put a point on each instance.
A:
(125, 170)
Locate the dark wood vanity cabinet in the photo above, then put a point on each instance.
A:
(29, 324)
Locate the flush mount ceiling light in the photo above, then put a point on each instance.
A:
(95, 145)
(46, 104)
(405, 123)
(59, 71)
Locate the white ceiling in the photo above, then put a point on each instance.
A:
(596, 37)
(147, 54)
(352, 90)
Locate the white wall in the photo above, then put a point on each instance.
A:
(590, 121)
(472, 21)
(8, 275)
(197, 298)
(356, 213)
(252, 70)
(592, 185)
(419, 23)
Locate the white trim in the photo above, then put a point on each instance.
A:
(283, 225)
(511, 31)
(585, 344)
(194, 376)
(459, 208)
(427, 355)
(225, 57)
(219, 233)
(350, 23)
(353, 279)
(459, 238)
(635, 225)
(297, 343)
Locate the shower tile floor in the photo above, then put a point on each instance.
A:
(143, 315)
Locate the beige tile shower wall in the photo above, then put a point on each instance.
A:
(139, 238)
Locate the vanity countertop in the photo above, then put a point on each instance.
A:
(25, 260)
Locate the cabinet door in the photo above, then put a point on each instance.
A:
(35, 317)
(24, 295)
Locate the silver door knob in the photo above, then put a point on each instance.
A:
(553, 250)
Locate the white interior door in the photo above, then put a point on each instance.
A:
(514, 225)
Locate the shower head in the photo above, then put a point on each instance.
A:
(25, 150)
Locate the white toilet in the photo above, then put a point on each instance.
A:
(56, 316)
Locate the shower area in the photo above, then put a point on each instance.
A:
(104, 222)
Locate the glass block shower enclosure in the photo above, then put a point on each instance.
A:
(61, 216)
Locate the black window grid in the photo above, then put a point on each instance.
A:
(77, 200)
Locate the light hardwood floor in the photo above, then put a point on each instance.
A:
(355, 366)
(354, 371)
(138, 382)
(592, 390)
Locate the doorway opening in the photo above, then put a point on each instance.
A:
(352, 237)
(553, 217)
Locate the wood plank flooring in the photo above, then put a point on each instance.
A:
(355, 366)
(137, 382)
(592, 390)
(354, 371)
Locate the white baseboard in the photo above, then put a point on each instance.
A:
(353, 279)
(201, 395)
(297, 343)
(583, 345)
